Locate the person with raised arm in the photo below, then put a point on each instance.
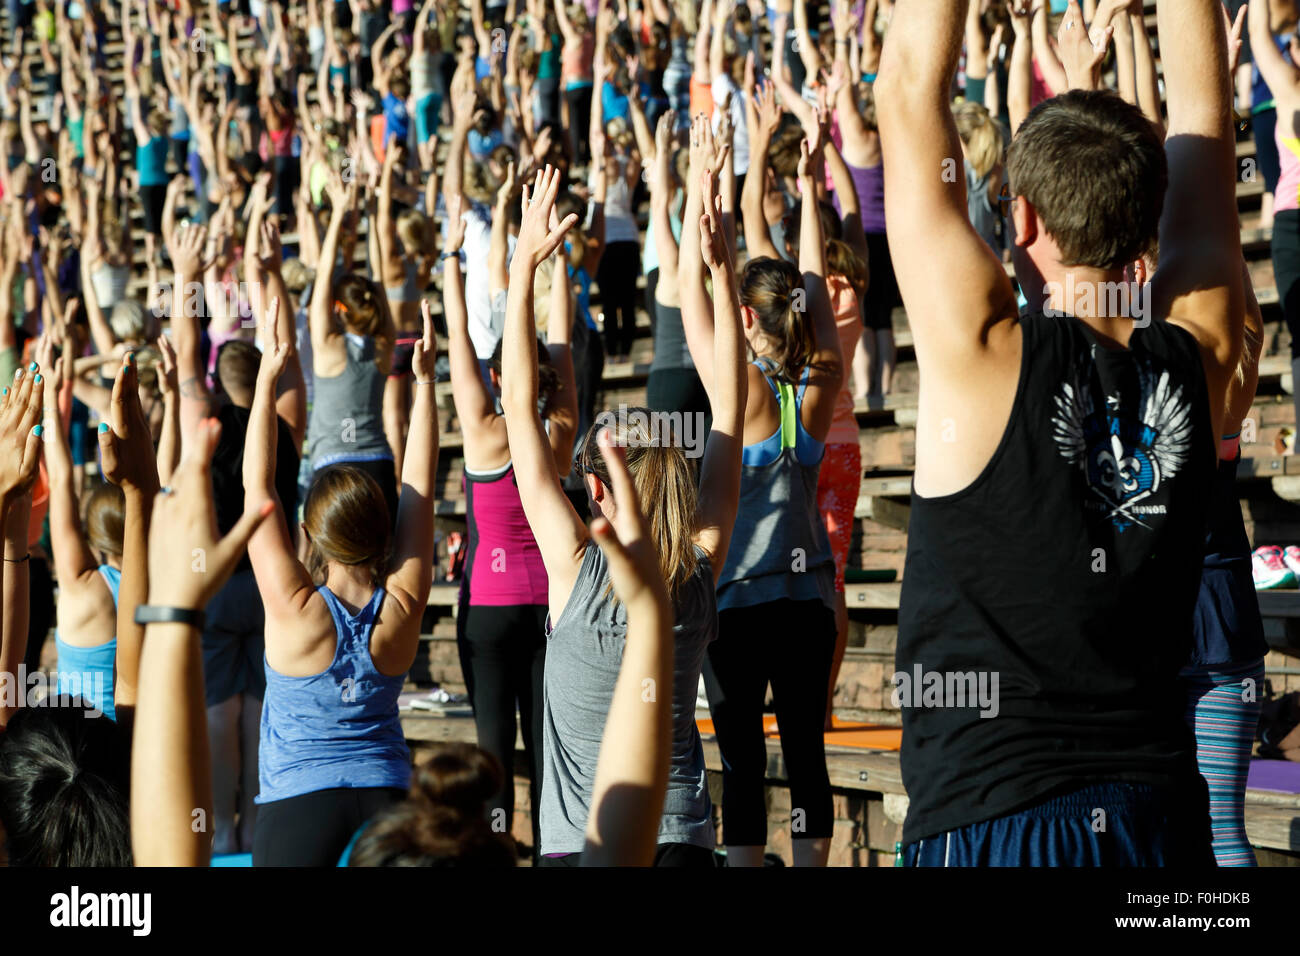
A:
(352, 341)
(171, 768)
(88, 563)
(691, 530)
(632, 774)
(501, 625)
(341, 634)
(779, 576)
(1087, 426)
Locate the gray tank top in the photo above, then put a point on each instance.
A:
(779, 548)
(584, 651)
(671, 350)
(347, 411)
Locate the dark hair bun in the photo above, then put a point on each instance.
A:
(460, 777)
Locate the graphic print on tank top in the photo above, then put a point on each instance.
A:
(1127, 461)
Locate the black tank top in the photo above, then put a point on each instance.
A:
(1068, 570)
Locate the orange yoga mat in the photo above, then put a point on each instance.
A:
(847, 733)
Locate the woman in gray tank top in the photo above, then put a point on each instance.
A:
(352, 349)
(690, 529)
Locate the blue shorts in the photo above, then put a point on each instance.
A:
(1104, 825)
(426, 117)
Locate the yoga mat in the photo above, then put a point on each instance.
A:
(847, 733)
(1280, 776)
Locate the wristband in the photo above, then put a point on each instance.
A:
(25, 557)
(154, 614)
(450, 255)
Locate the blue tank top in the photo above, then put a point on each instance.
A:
(87, 672)
(338, 728)
(779, 548)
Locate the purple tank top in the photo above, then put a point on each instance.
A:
(503, 565)
(869, 181)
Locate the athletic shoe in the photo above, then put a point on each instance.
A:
(1269, 570)
(1291, 558)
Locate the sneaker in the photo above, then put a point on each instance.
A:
(1269, 570)
(1291, 558)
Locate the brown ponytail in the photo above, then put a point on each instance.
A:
(773, 290)
(347, 521)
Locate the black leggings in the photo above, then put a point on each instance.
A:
(502, 655)
(579, 100)
(315, 828)
(619, 267)
(1286, 273)
(790, 644)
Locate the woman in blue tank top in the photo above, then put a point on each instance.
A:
(341, 633)
(88, 564)
(776, 596)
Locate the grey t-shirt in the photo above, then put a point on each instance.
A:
(583, 654)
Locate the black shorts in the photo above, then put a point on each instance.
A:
(882, 289)
(153, 198)
(234, 643)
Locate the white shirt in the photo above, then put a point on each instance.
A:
(722, 85)
(475, 253)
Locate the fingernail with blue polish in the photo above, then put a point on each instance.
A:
(33, 367)
(103, 427)
(38, 378)
(38, 430)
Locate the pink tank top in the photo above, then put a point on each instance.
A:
(1288, 181)
(503, 565)
(848, 322)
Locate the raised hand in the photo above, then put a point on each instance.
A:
(713, 244)
(275, 354)
(185, 246)
(167, 373)
(1081, 54)
(269, 252)
(20, 434)
(424, 354)
(456, 224)
(126, 442)
(537, 240)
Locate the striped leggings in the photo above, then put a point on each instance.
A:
(1223, 709)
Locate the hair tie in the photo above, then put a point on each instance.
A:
(340, 306)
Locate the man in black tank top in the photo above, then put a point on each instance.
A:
(1064, 458)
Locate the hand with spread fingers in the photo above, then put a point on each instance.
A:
(537, 240)
(20, 434)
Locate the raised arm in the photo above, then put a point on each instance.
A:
(560, 535)
(729, 392)
(171, 768)
(186, 250)
(1044, 54)
(412, 566)
(1198, 285)
(925, 211)
(475, 406)
(127, 457)
(1020, 71)
(763, 116)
